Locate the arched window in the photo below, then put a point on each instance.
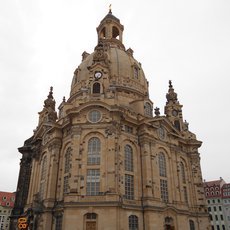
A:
(96, 87)
(128, 158)
(94, 149)
(102, 34)
(169, 223)
(191, 225)
(182, 170)
(148, 109)
(177, 124)
(135, 72)
(43, 177)
(133, 222)
(115, 32)
(162, 165)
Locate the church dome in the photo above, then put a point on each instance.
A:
(116, 64)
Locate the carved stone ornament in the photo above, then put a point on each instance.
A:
(110, 130)
(100, 55)
(157, 111)
(171, 95)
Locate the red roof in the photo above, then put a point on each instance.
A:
(212, 189)
(226, 190)
(7, 199)
(212, 183)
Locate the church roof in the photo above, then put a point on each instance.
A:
(110, 16)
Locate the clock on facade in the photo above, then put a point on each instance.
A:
(174, 113)
(98, 74)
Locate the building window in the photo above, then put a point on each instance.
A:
(93, 182)
(164, 190)
(44, 168)
(94, 116)
(67, 168)
(135, 72)
(129, 187)
(218, 227)
(191, 225)
(115, 32)
(182, 172)
(148, 109)
(177, 124)
(185, 194)
(128, 158)
(216, 217)
(220, 208)
(102, 33)
(96, 87)
(128, 129)
(94, 149)
(90, 221)
(221, 217)
(209, 209)
(161, 133)
(223, 227)
(91, 216)
(66, 184)
(169, 223)
(133, 222)
(58, 224)
(43, 177)
(162, 165)
(67, 160)
(210, 216)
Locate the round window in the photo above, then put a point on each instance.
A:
(94, 116)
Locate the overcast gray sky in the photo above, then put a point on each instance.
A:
(41, 43)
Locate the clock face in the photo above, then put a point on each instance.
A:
(98, 74)
(174, 113)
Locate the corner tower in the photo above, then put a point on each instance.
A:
(105, 162)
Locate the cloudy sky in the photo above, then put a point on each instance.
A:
(41, 43)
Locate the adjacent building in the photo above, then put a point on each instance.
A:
(108, 160)
(226, 203)
(6, 205)
(217, 195)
